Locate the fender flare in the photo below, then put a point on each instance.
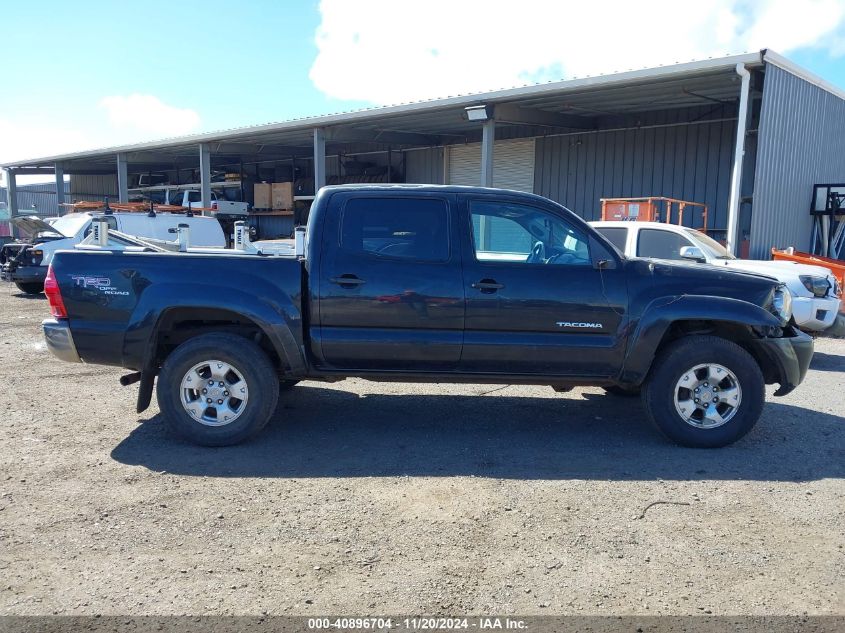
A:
(279, 319)
(661, 313)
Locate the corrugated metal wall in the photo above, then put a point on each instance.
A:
(690, 161)
(93, 188)
(801, 142)
(37, 199)
(424, 166)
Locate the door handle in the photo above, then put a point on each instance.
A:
(488, 286)
(347, 281)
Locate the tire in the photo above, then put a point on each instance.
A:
(699, 361)
(622, 392)
(287, 385)
(30, 287)
(193, 360)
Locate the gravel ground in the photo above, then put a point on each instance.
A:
(365, 498)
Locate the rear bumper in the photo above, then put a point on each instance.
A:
(789, 356)
(23, 274)
(59, 340)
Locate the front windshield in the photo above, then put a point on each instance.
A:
(70, 225)
(713, 247)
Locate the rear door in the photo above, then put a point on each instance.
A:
(537, 301)
(390, 289)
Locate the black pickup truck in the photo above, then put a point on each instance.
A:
(429, 283)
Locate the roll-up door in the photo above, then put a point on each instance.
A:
(513, 164)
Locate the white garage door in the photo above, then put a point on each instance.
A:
(513, 164)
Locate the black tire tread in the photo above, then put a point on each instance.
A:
(249, 359)
(30, 288)
(692, 350)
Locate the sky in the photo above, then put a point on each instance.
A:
(90, 73)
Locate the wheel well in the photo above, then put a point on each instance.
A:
(739, 333)
(180, 324)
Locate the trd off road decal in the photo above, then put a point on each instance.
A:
(103, 284)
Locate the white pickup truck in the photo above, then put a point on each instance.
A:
(192, 199)
(815, 291)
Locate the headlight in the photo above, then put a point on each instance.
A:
(819, 286)
(782, 304)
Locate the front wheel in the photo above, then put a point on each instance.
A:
(217, 389)
(704, 392)
(30, 287)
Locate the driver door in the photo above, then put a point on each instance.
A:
(537, 303)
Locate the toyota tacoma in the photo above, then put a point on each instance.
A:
(429, 283)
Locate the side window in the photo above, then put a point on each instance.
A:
(660, 244)
(194, 196)
(509, 232)
(403, 228)
(616, 235)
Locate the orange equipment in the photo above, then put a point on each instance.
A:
(836, 266)
(650, 209)
(133, 207)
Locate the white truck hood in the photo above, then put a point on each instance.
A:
(32, 225)
(777, 269)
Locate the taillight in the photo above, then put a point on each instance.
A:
(54, 296)
(214, 205)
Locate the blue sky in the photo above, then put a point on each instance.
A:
(92, 73)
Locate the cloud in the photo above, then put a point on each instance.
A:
(149, 114)
(23, 139)
(395, 51)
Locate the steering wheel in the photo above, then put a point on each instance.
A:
(538, 254)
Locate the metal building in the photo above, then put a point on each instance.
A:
(749, 135)
(32, 199)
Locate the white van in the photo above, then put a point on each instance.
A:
(25, 262)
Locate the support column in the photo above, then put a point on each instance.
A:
(122, 179)
(11, 193)
(319, 159)
(205, 175)
(732, 238)
(488, 138)
(60, 187)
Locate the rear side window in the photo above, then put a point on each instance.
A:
(402, 228)
(660, 244)
(616, 235)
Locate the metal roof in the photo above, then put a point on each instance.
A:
(442, 121)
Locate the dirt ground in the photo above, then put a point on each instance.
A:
(365, 498)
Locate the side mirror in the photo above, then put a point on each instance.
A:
(693, 252)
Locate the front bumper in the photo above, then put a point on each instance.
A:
(788, 357)
(59, 340)
(814, 313)
(23, 274)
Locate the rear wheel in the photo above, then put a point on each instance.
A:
(704, 392)
(30, 287)
(217, 389)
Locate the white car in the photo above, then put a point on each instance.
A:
(815, 291)
(25, 262)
